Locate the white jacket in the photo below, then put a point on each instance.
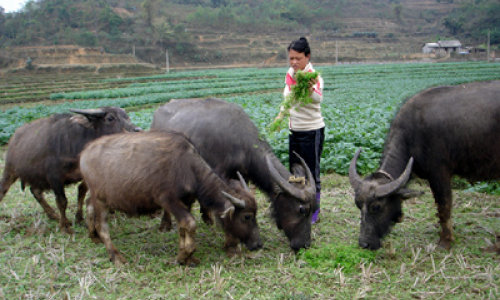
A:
(308, 117)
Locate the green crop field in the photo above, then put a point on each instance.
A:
(39, 262)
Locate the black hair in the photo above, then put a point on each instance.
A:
(301, 45)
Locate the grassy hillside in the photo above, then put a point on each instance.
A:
(230, 31)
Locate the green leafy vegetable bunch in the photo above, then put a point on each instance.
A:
(299, 93)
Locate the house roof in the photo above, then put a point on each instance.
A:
(449, 44)
(431, 45)
(444, 44)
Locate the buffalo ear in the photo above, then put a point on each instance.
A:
(298, 170)
(228, 213)
(407, 193)
(82, 120)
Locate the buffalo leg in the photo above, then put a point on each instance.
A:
(187, 230)
(7, 180)
(206, 216)
(101, 213)
(38, 194)
(187, 244)
(231, 245)
(166, 222)
(91, 223)
(62, 204)
(441, 189)
(82, 190)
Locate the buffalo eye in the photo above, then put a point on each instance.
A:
(302, 210)
(248, 217)
(375, 207)
(110, 118)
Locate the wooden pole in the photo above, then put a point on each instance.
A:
(488, 49)
(336, 52)
(133, 50)
(167, 69)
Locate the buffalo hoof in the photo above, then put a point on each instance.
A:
(66, 229)
(53, 216)
(117, 259)
(232, 251)
(492, 248)
(95, 238)
(164, 227)
(444, 244)
(78, 218)
(190, 261)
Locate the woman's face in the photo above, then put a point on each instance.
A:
(298, 61)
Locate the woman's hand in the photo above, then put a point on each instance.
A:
(312, 83)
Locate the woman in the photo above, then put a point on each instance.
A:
(307, 128)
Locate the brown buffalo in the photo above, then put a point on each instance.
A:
(142, 173)
(440, 132)
(44, 154)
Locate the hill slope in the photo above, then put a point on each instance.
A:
(220, 32)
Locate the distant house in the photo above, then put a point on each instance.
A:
(442, 47)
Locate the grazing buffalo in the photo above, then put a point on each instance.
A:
(44, 154)
(440, 132)
(141, 173)
(229, 141)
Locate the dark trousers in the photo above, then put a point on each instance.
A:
(309, 145)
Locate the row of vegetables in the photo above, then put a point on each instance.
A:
(359, 101)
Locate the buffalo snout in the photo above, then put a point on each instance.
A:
(369, 244)
(255, 245)
(297, 244)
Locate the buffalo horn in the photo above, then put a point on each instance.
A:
(282, 183)
(242, 181)
(236, 202)
(354, 178)
(395, 185)
(96, 112)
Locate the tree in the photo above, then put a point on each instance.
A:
(148, 11)
(455, 26)
(398, 11)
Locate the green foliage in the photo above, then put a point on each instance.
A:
(86, 38)
(491, 187)
(333, 256)
(299, 94)
(473, 19)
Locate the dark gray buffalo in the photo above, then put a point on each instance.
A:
(440, 132)
(44, 154)
(141, 173)
(229, 141)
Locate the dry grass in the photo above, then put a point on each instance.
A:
(39, 262)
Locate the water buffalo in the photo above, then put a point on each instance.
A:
(440, 132)
(141, 173)
(229, 141)
(44, 154)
